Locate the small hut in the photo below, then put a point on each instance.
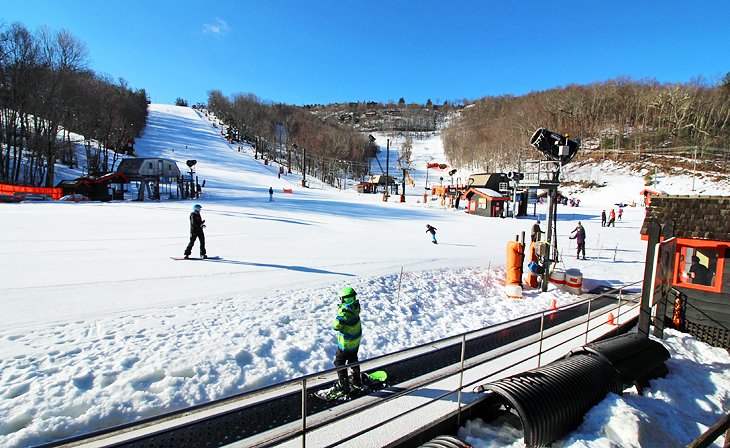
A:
(108, 187)
(485, 202)
(379, 180)
(366, 187)
(693, 265)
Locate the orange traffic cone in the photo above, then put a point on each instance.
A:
(553, 304)
(610, 319)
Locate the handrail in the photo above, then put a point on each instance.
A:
(462, 367)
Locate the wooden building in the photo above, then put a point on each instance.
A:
(366, 187)
(700, 282)
(108, 187)
(375, 182)
(493, 191)
(485, 202)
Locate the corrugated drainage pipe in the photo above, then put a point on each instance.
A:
(636, 358)
(445, 442)
(552, 400)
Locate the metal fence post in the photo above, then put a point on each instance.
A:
(618, 312)
(461, 379)
(542, 329)
(588, 322)
(304, 413)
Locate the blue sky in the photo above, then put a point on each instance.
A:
(307, 52)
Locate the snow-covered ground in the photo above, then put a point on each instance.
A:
(100, 327)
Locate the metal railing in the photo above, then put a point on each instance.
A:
(284, 413)
(623, 308)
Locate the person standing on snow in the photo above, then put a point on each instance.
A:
(349, 332)
(536, 231)
(271, 194)
(620, 214)
(197, 224)
(580, 238)
(432, 230)
(611, 219)
(603, 218)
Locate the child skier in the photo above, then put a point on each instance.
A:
(432, 230)
(349, 331)
(197, 224)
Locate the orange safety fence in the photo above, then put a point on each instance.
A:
(54, 193)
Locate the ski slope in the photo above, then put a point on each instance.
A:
(100, 327)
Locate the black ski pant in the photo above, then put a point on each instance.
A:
(193, 237)
(346, 357)
(581, 248)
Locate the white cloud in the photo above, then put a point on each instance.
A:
(220, 27)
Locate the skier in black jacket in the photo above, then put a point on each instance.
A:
(432, 230)
(197, 223)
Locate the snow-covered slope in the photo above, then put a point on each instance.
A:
(100, 327)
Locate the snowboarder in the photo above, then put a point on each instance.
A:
(603, 218)
(271, 194)
(611, 219)
(432, 230)
(536, 231)
(349, 331)
(197, 224)
(580, 238)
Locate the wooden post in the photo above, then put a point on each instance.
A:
(645, 311)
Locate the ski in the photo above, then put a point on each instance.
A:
(195, 258)
(370, 382)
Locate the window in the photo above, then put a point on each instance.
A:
(700, 267)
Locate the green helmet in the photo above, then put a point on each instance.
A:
(347, 295)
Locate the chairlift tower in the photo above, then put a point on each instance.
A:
(559, 150)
